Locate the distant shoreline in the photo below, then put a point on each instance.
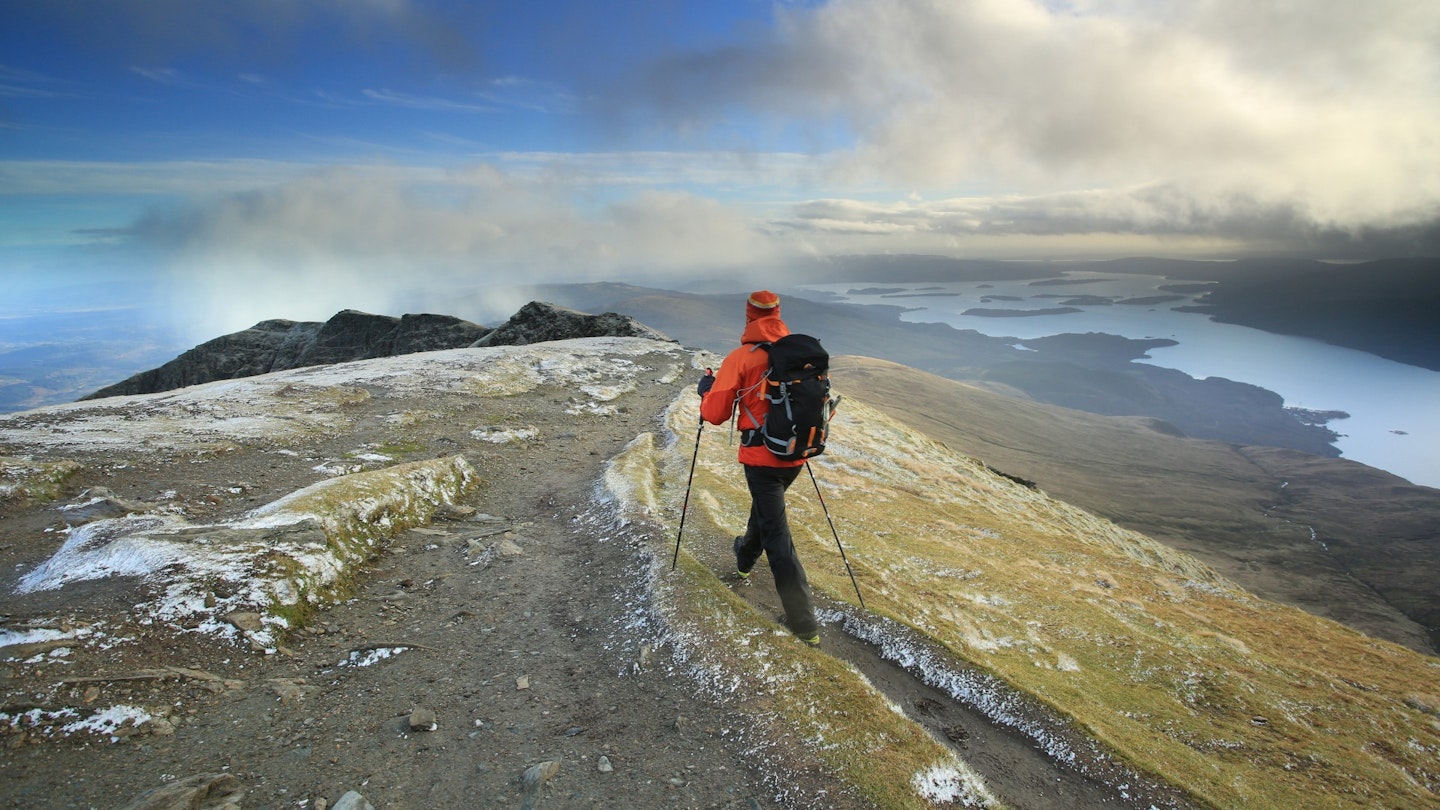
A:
(981, 312)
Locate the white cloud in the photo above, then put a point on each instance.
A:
(1324, 110)
(369, 216)
(365, 237)
(1028, 128)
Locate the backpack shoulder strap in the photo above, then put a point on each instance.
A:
(742, 393)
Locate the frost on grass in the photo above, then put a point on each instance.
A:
(298, 549)
(22, 478)
(631, 477)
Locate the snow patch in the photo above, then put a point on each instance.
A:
(122, 546)
(108, 721)
(276, 555)
(64, 722)
(11, 638)
(953, 784)
(300, 402)
(366, 658)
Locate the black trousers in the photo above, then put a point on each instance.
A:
(769, 532)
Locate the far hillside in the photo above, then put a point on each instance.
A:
(1387, 308)
(1332, 536)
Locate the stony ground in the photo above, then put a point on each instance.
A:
(502, 657)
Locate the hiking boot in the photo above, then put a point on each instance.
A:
(742, 577)
(740, 570)
(811, 639)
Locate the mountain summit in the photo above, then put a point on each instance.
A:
(443, 579)
(277, 345)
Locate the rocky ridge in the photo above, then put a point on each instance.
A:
(278, 345)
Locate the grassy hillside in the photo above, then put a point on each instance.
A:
(1335, 537)
(1240, 701)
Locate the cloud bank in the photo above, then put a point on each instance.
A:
(986, 128)
(362, 237)
(1319, 116)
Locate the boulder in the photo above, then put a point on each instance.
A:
(210, 791)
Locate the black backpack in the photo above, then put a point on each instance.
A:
(797, 387)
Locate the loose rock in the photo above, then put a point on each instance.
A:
(537, 775)
(423, 720)
(208, 791)
(353, 801)
(245, 620)
(449, 511)
(287, 690)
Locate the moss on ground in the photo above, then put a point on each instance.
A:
(39, 480)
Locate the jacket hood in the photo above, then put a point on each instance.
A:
(764, 330)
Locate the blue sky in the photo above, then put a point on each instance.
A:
(288, 158)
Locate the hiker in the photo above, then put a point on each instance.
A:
(737, 384)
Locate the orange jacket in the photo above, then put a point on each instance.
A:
(738, 378)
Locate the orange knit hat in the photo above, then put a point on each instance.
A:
(760, 304)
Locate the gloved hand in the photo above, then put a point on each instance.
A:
(703, 387)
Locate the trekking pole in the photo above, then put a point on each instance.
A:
(686, 506)
(837, 534)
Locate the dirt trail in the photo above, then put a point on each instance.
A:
(515, 627)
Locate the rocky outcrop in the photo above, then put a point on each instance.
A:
(277, 345)
(538, 322)
(266, 346)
